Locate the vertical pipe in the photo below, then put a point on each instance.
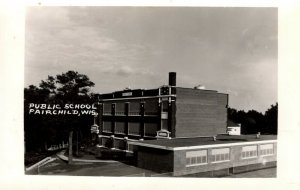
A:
(142, 125)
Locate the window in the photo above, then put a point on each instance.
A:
(130, 147)
(134, 128)
(120, 127)
(134, 108)
(107, 109)
(120, 144)
(165, 106)
(107, 126)
(105, 141)
(150, 129)
(120, 108)
(194, 158)
(266, 149)
(164, 124)
(151, 107)
(220, 155)
(249, 152)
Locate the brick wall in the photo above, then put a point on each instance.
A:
(236, 162)
(200, 112)
(155, 159)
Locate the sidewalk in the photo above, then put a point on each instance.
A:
(86, 166)
(62, 156)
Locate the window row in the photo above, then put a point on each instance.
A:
(220, 155)
(134, 108)
(130, 113)
(194, 158)
(249, 152)
(134, 128)
(200, 157)
(193, 161)
(113, 143)
(266, 149)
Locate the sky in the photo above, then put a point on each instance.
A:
(231, 50)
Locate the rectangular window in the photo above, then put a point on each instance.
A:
(120, 108)
(107, 109)
(151, 107)
(165, 106)
(194, 158)
(120, 144)
(104, 141)
(266, 149)
(134, 128)
(150, 129)
(220, 155)
(107, 126)
(164, 124)
(249, 152)
(120, 127)
(130, 147)
(134, 108)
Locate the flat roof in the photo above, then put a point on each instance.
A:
(139, 90)
(203, 142)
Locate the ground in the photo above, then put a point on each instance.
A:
(59, 167)
(118, 168)
(264, 173)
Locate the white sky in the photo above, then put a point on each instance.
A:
(232, 50)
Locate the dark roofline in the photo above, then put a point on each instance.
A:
(197, 89)
(127, 90)
(142, 89)
(167, 144)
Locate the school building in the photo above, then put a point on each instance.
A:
(165, 112)
(180, 131)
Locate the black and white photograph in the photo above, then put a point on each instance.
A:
(127, 91)
(149, 95)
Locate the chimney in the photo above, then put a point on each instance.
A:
(172, 79)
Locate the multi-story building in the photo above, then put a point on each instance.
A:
(185, 129)
(165, 112)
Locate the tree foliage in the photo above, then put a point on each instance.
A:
(271, 116)
(42, 130)
(253, 121)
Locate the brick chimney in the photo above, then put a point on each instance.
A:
(172, 79)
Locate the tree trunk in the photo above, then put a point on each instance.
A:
(77, 151)
(70, 160)
(45, 146)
